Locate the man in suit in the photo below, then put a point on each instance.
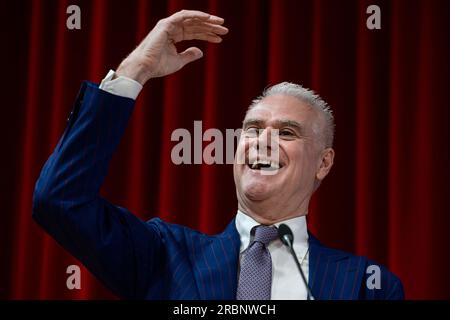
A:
(158, 260)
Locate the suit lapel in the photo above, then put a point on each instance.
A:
(215, 261)
(333, 275)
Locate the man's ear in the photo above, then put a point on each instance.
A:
(325, 164)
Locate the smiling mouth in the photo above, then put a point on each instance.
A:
(264, 165)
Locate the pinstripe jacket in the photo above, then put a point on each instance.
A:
(155, 259)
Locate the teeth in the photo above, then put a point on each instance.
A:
(265, 165)
(272, 167)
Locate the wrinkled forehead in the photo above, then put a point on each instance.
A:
(283, 107)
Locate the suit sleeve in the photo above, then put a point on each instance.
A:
(116, 246)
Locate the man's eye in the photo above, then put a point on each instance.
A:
(252, 131)
(286, 133)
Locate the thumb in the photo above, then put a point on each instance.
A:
(190, 54)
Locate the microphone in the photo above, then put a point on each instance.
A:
(286, 236)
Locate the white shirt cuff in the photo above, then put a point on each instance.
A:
(121, 86)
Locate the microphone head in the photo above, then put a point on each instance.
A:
(285, 234)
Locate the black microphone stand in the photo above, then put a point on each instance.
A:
(286, 236)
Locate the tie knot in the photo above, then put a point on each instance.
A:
(265, 234)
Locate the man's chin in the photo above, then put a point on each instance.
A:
(259, 191)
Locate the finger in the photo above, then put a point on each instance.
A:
(190, 54)
(216, 19)
(205, 27)
(212, 21)
(210, 37)
(182, 15)
(197, 30)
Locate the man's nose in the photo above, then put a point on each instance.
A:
(267, 138)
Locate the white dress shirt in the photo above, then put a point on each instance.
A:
(121, 86)
(286, 280)
(287, 283)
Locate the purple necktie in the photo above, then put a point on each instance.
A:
(255, 277)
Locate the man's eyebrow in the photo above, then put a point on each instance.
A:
(289, 123)
(253, 121)
(276, 124)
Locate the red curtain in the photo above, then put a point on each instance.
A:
(385, 198)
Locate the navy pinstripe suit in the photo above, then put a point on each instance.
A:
(155, 259)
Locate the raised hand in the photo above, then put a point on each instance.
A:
(157, 56)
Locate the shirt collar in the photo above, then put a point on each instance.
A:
(245, 223)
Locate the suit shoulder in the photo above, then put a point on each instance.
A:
(381, 283)
(377, 282)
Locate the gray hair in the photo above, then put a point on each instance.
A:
(307, 96)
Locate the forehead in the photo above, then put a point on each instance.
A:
(284, 107)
